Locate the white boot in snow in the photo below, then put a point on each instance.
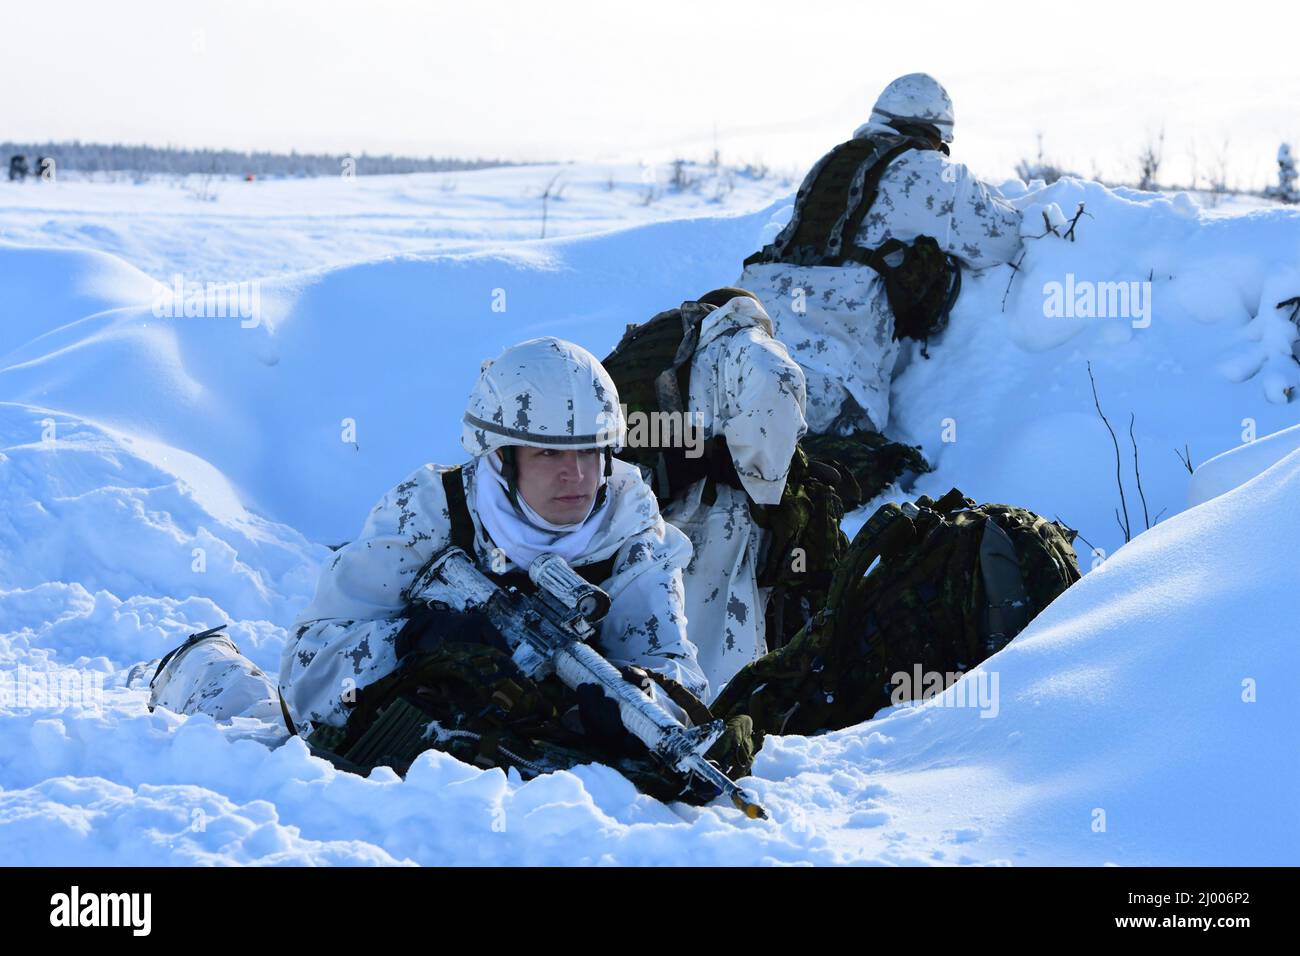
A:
(208, 675)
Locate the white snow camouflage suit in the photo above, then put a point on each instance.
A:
(345, 638)
(843, 339)
(745, 387)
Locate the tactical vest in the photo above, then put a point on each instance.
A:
(921, 281)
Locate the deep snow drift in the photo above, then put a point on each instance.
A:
(161, 475)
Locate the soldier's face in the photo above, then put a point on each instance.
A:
(560, 485)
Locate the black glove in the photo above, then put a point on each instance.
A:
(428, 627)
(599, 714)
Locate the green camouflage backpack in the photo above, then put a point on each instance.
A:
(954, 583)
(651, 368)
(921, 281)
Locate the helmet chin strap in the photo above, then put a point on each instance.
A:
(510, 472)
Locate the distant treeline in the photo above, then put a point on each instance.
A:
(98, 157)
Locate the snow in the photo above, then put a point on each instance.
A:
(1236, 466)
(164, 475)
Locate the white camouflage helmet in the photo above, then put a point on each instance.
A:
(916, 98)
(546, 393)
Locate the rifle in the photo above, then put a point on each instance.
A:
(547, 633)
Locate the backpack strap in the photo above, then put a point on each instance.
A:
(844, 244)
(462, 523)
(673, 384)
(1006, 602)
(832, 203)
(886, 532)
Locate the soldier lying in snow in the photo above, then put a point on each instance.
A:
(541, 425)
(881, 226)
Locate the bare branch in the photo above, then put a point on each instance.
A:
(1069, 233)
(1119, 480)
(1136, 471)
(1092, 547)
(1294, 304)
(1015, 267)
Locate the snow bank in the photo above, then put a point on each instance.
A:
(1236, 466)
(163, 475)
(346, 380)
(1145, 718)
(1004, 408)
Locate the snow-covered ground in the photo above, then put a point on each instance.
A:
(163, 475)
(249, 230)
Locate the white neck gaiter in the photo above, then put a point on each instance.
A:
(521, 532)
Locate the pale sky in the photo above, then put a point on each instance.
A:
(780, 82)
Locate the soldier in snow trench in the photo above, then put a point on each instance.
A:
(881, 228)
(370, 667)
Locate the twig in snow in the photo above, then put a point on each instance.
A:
(1119, 480)
(1136, 471)
(1069, 233)
(1015, 267)
(1294, 304)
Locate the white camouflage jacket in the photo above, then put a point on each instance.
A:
(344, 640)
(747, 389)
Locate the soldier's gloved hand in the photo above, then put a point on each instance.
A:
(428, 627)
(599, 713)
(733, 752)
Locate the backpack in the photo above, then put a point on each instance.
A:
(921, 282)
(935, 585)
(651, 367)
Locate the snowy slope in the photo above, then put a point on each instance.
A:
(163, 475)
(1235, 466)
(258, 229)
(1127, 697)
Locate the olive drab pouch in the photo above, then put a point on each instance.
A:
(804, 544)
(921, 289)
(866, 463)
